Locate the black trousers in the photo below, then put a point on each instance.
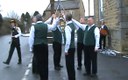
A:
(90, 59)
(57, 48)
(80, 47)
(70, 64)
(102, 40)
(34, 65)
(41, 55)
(12, 48)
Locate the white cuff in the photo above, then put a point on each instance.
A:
(30, 49)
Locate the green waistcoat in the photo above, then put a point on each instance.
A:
(57, 36)
(72, 44)
(89, 36)
(80, 35)
(41, 30)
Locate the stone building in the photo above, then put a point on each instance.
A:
(75, 7)
(115, 14)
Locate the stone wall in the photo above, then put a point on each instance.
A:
(124, 24)
(116, 18)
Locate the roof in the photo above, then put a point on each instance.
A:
(65, 4)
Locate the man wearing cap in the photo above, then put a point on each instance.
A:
(38, 38)
(15, 42)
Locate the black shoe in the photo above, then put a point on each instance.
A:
(35, 72)
(78, 68)
(6, 63)
(57, 68)
(86, 74)
(60, 66)
(19, 63)
(99, 48)
(93, 75)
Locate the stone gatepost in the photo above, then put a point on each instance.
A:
(123, 6)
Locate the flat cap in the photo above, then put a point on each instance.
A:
(12, 21)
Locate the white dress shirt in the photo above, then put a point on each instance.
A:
(68, 31)
(79, 25)
(102, 26)
(16, 36)
(29, 39)
(19, 32)
(32, 31)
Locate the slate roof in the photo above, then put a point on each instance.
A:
(67, 5)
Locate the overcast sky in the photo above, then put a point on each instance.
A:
(23, 6)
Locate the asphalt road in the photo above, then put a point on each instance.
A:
(13, 71)
(109, 67)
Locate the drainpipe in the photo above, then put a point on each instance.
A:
(88, 7)
(99, 10)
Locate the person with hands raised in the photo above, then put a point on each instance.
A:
(38, 38)
(91, 45)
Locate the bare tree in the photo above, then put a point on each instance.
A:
(35, 13)
(1, 19)
(13, 14)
